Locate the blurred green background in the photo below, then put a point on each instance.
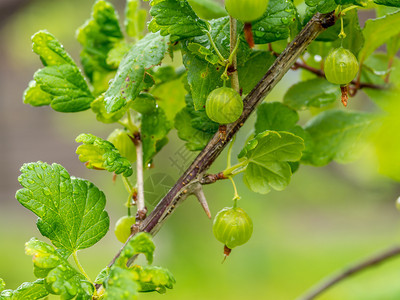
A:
(327, 218)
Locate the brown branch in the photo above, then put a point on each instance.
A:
(212, 178)
(325, 284)
(188, 182)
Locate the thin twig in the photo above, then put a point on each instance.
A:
(189, 180)
(328, 282)
(141, 208)
(233, 40)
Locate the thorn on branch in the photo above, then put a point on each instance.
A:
(199, 193)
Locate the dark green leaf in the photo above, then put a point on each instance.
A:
(154, 130)
(394, 3)
(322, 6)
(70, 210)
(98, 36)
(59, 277)
(175, 18)
(253, 69)
(101, 154)
(26, 291)
(337, 135)
(276, 22)
(316, 92)
(135, 19)
(200, 120)
(207, 9)
(267, 157)
(130, 77)
(275, 116)
(144, 103)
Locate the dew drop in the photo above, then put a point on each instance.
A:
(46, 191)
(30, 181)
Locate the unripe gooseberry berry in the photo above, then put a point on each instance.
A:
(233, 227)
(122, 228)
(246, 10)
(121, 140)
(341, 66)
(224, 105)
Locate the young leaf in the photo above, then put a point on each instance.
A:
(203, 53)
(26, 291)
(130, 77)
(175, 18)
(337, 135)
(99, 108)
(60, 278)
(322, 6)
(141, 243)
(316, 92)
(377, 31)
(98, 36)
(135, 19)
(121, 284)
(267, 157)
(70, 210)
(101, 154)
(394, 3)
(276, 22)
(154, 130)
(61, 83)
(207, 9)
(153, 278)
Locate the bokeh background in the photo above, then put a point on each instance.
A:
(327, 218)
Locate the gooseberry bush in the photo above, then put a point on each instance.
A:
(232, 58)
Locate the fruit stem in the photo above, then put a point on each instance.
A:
(228, 163)
(236, 196)
(248, 34)
(130, 189)
(223, 60)
(235, 169)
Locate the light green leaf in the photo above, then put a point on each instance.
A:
(253, 69)
(275, 116)
(154, 130)
(203, 53)
(337, 135)
(130, 77)
(99, 108)
(121, 284)
(101, 154)
(175, 18)
(141, 243)
(316, 92)
(196, 139)
(116, 54)
(267, 157)
(394, 3)
(70, 210)
(35, 96)
(98, 36)
(275, 23)
(66, 86)
(322, 6)
(154, 279)
(61, 83)
(207, 9)
(60, 278)
(135, 19)
(377, 31)
(102, 276)
(122, 140)
(26, 291)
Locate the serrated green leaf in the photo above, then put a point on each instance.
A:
(316, 92)
(154, 130)
(70, 210)
(322, 6)
(175, 18)
(101, 154)
(275, 24)
(253, 69)
(394, 3)
(130, 77)
(61, 83)
(35, 96)
(66, 87)
(60, 278)
(153, 278)
(196, 139)
(267, 157)
(141, 243)
(121, 284)
(135, 19)
(337, 135)
(26, 291)
(98, 36)
(144, 103)
(207, 9)
(99, 108)
(377, 31)
(117, 53)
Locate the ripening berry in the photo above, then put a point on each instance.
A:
(341, 66)
(122, 228)
(246, 10)
(224, 105)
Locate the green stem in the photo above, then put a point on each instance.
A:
(236, 196)
(348, 8)
(78, 264)
(130, 189)
(223, 60)
(228, 163)
(240, 167)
